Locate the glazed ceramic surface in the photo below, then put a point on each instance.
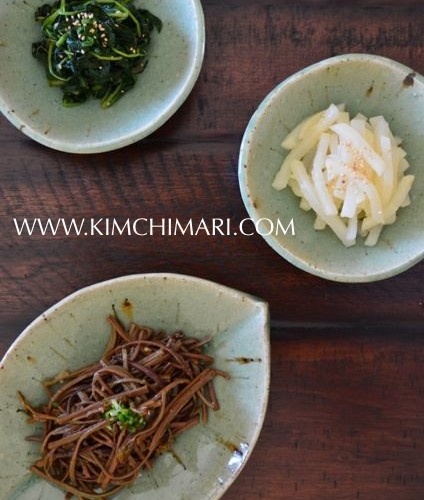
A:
(74, 333)
(175, 60)
(368, 84)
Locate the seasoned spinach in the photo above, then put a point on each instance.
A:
(94, 47)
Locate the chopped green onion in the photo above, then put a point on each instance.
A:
(125, 417)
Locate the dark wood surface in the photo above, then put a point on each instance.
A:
(346, 413)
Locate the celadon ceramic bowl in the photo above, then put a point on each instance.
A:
(175, 60)
(74, 333)
(368, 84)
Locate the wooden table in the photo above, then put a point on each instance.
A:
(346, 412)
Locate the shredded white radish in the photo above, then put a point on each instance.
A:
(350, 172)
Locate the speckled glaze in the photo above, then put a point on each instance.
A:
(74, 333)
(368, 84)
(175, 60)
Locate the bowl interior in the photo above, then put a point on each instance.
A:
(175, 60)
(74, 333)
(373, 86)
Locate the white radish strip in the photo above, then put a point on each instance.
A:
(360, 116)
(319, 224)
(404, 165)
(406, 202)
(367, 224)
(375, 202)
(282, 177)
(349, 172)
(292, 140)
(350, 135)
(334, 143)
(304, 205)
(293, 184)
(343, 118)
(318, 176)
(350, 203)
(388, 178)
(310, 195)
(370, 138)
(309, 124)
(358, 125)
(298, 133)
(373, 236)
(296, 154)
(352, 229)
(399, 196)
(387, 183)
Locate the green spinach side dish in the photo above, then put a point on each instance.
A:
(94, 47)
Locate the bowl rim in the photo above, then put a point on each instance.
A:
(245, 146)
(262, 306)
(194, 69)
(133, 277)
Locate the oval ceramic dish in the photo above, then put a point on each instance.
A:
(368, 84)
(175, 60)
(74, 333)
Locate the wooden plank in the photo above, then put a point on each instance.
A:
(180, 181)
(346, 414)
(345, 420)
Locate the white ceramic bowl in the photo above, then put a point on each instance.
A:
(369, 84)
(74, 333)
(175, 60)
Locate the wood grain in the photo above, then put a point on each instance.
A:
(346, 411)
(345, 419)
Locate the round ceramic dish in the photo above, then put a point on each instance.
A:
(74, 333)
(368, 84)
(175, 60)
